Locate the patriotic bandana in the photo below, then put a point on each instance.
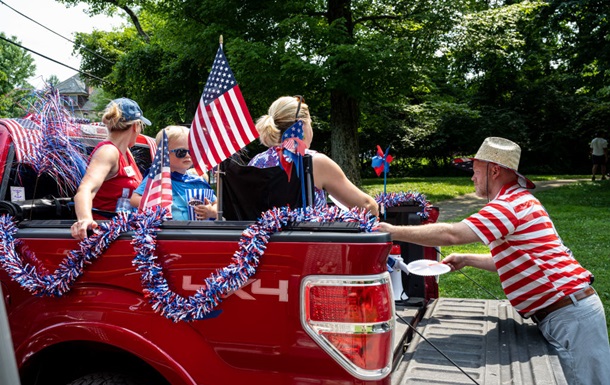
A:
(292, 140)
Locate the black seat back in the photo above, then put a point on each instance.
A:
(248, 191)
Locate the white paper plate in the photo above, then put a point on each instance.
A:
(427, 267)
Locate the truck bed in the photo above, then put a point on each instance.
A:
(486, 338)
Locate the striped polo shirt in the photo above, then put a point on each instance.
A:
(535, 267)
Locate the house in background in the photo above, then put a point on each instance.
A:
(76, 96)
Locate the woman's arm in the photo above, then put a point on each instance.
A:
(328, 175)
(102, 164)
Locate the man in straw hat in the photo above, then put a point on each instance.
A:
(539, 275)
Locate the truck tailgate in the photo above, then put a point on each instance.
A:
(486, 338)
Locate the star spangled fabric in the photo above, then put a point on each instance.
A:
(158, 191)
(26, 137)
(222, 124)
(292, 140)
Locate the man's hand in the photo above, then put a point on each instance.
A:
(386, 227)
(455, 261)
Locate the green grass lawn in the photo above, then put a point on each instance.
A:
(580, 211)
(436, 189)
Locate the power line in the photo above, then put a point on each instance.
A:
(53, 60)
(50, 30)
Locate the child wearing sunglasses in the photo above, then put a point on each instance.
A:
(190, 193)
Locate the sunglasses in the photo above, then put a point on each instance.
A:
(180, 152)
(301, 100)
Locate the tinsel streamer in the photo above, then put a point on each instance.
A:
(59, 153)
(244, 263)
(252, 246)
(405, 198)
(70, 269)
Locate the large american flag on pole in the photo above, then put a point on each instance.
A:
(158, 191)
(222, 125)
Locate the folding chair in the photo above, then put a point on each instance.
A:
(248, 191)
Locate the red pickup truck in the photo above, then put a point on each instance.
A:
(319, 309)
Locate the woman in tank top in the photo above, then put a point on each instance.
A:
(112, 173)
(327, 174)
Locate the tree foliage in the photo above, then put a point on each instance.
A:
(346, 57)
(431, 78)
(16, 66)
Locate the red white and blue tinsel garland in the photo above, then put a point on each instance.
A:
(201, 305)
(69, 270)
(245, 261)
(409, 198)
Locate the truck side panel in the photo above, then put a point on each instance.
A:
(256, 338)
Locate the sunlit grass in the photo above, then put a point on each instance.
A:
(437, 189)
(434, 188)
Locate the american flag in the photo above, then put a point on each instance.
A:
(158, 191)
(292, 140)
(26, 137)
(222, 125)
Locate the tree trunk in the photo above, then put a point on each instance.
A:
(344, 113)
(344, 109)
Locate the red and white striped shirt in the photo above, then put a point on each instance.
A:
(535, 267)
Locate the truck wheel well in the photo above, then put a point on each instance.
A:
(65, 362)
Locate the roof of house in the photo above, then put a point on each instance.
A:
(73, 86)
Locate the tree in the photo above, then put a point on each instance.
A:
(16, 66)
(431, 78)
(53, 80)
(349, 58)
(111, 6)
(538, 73)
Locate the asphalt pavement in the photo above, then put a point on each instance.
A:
(457, 208)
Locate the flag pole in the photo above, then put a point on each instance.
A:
(219, 177)
(219, 174)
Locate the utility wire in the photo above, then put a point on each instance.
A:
(53, 60)
(50, 30)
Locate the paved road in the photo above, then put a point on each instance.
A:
(462, 206)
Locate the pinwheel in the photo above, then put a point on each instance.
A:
(381, 163)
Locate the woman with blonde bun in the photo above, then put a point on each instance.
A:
(327, 174)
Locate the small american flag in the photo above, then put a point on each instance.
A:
(26, 137)
(158, 191)
(222, 125)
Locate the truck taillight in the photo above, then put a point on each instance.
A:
(352, 319)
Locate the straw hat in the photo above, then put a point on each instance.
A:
(501, 151)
